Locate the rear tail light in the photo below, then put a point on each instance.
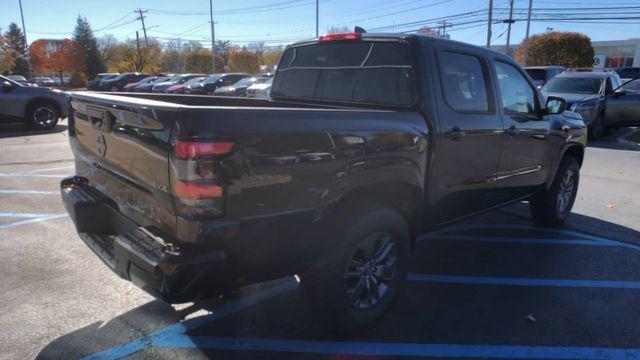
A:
(342, 36)
(197, 183)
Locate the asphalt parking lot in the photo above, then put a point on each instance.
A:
(494, 286)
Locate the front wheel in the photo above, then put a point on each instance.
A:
(596, 129)
(552, 206)
(42, 116)
(362, 270)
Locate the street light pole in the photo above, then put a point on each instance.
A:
(489, 23)
(24, 34)
(213, 39)
(526, 37)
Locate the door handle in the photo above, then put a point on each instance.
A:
(455, 134)
(512, 131)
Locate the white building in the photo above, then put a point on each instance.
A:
(616, 53)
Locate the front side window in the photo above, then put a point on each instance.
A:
(516, 94)
(463, 82)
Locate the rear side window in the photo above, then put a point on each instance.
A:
(377, 73)
(463, 82)
(517, 95)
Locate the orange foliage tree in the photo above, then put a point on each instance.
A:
(569, 49)
(58, 56)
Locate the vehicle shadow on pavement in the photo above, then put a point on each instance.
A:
(9, 130)
(610, 141)
(437, 312)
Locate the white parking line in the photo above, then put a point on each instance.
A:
(33, 220)
(51, 169)
(35, 192)
(32, 175)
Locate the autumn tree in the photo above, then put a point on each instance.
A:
(200, 62)
(58, 56)
(172, 59)
(568, 49)
(244, 61)
(108, 45)
(83, 35)
(271, 57)
(18, 48)
(133, 58)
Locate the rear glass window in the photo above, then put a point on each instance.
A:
(537, 74)
(378, 73)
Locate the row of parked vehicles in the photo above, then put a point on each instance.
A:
(227, 84)
(605, 98)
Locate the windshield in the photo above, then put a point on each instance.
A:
(378, 73)
(574, 85)
(146, 80)
(211, 79)
(195, 80)
(262, 80)
(9, 80)
(244, 82)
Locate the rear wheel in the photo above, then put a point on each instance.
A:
(42, 116)
(552, 206)
(362, 269)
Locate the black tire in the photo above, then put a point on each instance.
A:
(42, 116)
(551, 207)
(596, 129)
(370, 230)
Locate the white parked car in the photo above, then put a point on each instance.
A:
(260, 90)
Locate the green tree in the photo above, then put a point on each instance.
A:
(569, 49)
(83, 35)
(7, 57)
(223, 47)
(17, 46)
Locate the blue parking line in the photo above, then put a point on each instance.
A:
(36, 192)
(361, 348)
(32, 220)
(25, 215)
(488, 280)
(176, 330)
(543, 241)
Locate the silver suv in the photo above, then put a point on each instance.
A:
(39, 107)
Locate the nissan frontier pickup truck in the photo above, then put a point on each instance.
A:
(367, 141)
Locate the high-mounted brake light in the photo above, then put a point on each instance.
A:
(342, 36)
(193, 149)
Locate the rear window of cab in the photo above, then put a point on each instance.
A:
(367, 72)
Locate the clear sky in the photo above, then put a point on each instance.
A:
(284, 21)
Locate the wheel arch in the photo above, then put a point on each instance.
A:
(43, 99)
(575, 150)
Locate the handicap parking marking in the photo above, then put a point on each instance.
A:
(508, 281)
(28, 192)
(363, 348)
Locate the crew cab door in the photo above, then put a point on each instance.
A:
(525, 140)
(468, 136)
(623, 106)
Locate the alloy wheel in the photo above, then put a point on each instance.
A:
(565, 191)
(44, 116)
(370, 270)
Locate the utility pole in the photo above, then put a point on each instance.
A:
(489, 23)
(24, 34)
(509, 22)
(526, 36)
(317, 18)
(137, 49)
(144, 29)
(444, 26)
(213, 39)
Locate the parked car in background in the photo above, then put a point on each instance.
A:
(146, 86)
(93, 84)
(61, 82)
(179, 88)
(19, 79)
(591, 93)
(118, 82)
(542, 74)
(132, 86)
(44, 81)
(39, 107)
(212, 82)
(628, 73)
(632, 86)
(205, 196)
(160, 87)
(237, 89)
(260, 90)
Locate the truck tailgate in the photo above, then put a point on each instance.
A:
(121, 146)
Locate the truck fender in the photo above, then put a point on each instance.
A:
(574, 149)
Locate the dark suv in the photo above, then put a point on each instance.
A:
(213, 82)
(542, 74)
(117, 83)
(591, 93)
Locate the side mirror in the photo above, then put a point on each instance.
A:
(6, 86)
(619, 92)
(556, 105)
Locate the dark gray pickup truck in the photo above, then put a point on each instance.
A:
(368, 141)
